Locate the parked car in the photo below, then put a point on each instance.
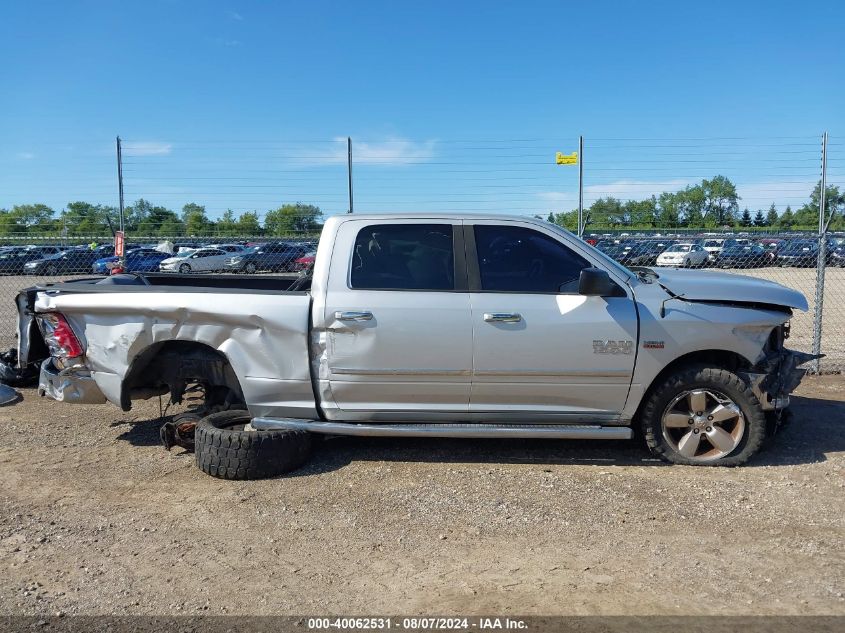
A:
(139, 260)
(74, 260)
(713, 247)
(13, 260)
(273, 256)
(644, 253)
(748, 256)
(305, 262)
(802, 252)
(201, 260)
(684, 254)
(438, 325)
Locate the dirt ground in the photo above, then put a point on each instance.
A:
(96, 518)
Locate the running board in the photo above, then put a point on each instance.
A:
(555, 431)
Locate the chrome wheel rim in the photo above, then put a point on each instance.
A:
(703, 425)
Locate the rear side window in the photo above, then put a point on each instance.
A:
(404, 257)
(516, 259)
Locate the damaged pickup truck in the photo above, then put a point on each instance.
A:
(431, 325)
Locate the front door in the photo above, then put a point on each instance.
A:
(396, 323)
(540, 347)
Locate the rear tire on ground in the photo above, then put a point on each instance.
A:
(738, 428)
(223, 449)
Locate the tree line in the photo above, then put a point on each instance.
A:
(144, 219)
(710, 204)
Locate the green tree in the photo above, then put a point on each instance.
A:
(84, 219)
(567, 219)
(157, 221)
(227, 225)
(640, 213)
(669, 210)
(721, 200)
(772, 216)
(760, 219)
(33, 218)
(9, 224)
(248, 223)
(195, 220)
(746, 218)
(606, 212)
(787, 219)
(293, 218)
(692, 202)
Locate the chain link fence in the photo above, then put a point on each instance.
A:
(788, 259)
(214, 206)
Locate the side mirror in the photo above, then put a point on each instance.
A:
(595, 282)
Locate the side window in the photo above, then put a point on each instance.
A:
(516, 259)
(404, 257)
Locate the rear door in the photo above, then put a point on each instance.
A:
(396, 322)
(540, 348)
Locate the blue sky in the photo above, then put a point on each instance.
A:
(450, 105)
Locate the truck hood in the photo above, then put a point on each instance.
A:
(697, 285)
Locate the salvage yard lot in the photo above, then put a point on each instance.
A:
(801, 279)
(96, 518)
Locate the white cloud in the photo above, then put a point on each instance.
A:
(620, 189)
(634, 189)
(148, 148)
(393, 151)
(26, 155)
(760, 195)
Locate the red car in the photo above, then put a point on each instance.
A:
(304, 263)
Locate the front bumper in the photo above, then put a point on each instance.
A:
(777, 376)
(73, 384)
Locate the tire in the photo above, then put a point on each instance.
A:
(250, 268)
(184, 268)
(51, 270)
(747, 431)
(232, 453)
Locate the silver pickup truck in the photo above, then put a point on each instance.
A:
(431, 325)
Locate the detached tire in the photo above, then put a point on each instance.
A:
(703, 416)
(225, 450)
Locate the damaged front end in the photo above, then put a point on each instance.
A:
(778, 373)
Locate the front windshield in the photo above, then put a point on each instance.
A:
(679, 248)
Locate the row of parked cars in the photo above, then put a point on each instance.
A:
(728, 252)
(189, 258)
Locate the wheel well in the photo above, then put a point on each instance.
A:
(169, 367)
(713, 357)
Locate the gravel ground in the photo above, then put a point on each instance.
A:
(96, 518)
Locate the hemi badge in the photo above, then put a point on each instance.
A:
(653, 345)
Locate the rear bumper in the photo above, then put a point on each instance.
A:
(69, 385)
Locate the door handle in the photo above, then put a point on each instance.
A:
(502, 317)
(353, 315)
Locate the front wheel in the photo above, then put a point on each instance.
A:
(250, 268)
(51, 270)
(184, 269)
(703, 416)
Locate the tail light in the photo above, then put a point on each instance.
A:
(58, 335)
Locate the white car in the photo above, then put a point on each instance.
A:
(713, 248)
(206, 259)
(685, 255)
